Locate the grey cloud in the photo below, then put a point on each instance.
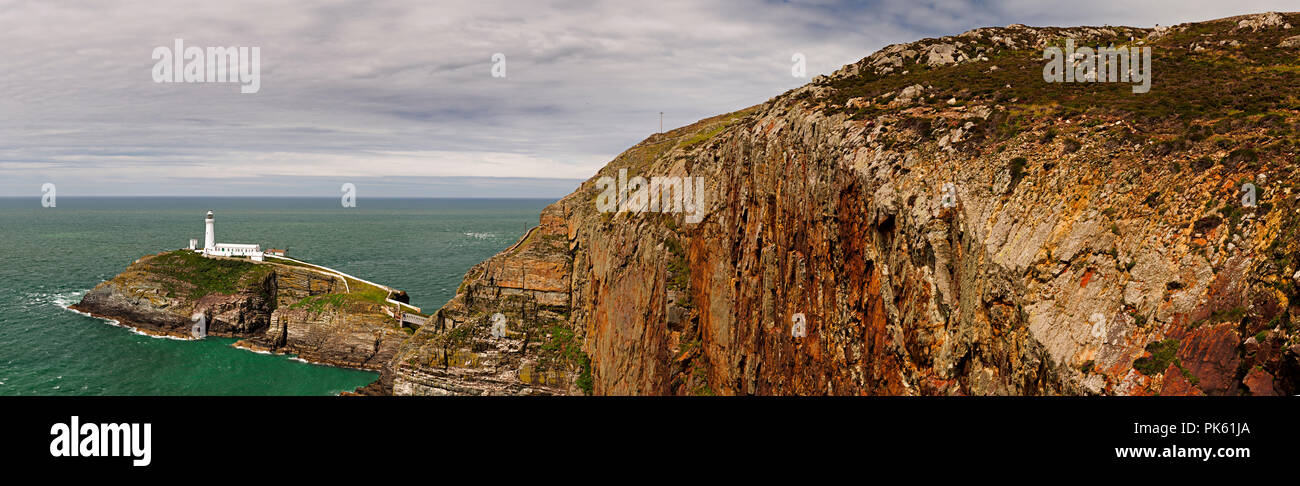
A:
(406, 85)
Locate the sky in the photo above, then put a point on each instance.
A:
(399, 98)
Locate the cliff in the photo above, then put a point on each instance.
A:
(1092, 239)
(277, 306)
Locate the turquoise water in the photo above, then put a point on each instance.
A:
(49, 258)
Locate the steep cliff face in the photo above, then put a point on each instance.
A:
(278, 307)
(507, 331)
(939, 220)
(160, 293)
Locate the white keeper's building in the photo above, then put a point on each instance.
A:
(211, 247)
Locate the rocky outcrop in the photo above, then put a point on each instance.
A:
(1263, 21)
(932, 220)
(161, 294)
(275, 307)
(507, 330)
(353, 337)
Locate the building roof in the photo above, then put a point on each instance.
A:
(239, 246)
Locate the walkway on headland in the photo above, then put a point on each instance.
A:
(415, 320)
(345, 277)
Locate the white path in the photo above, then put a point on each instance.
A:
(345, 278)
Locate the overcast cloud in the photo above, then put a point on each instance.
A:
(398, 97)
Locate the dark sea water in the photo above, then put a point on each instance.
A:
(49, 258)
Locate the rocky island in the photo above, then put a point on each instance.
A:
(281, 306)
(934, 219)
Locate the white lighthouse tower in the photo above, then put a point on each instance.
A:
(212, 248)
(209, 235)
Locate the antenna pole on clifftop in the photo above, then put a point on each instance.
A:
(661, 122)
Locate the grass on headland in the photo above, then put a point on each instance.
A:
(207, 275)
(228, 276)
(360, 291)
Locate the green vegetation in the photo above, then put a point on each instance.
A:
(1240, 156)
(359, 292)
(717, 127)
(1188, 95)
(688, 347)
(1139, 320)
(679, 270)
(1187, 373)
(1282, 320)
(1235, 314)
(1233, 213)
(1206, 224)
(701, 378)
(462, 336)
(207, 275)
(366, 292)
(1162, 354)
(320, 303)
(920, 125)
(563, 349)
(1017, 172)
(703, 135)
(362, 295)
(1203, 164)
(639, 159)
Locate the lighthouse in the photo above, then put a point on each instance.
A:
(212, 248)
(209, 235)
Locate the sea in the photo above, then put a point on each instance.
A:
(50, 257)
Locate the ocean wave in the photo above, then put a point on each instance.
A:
(87, 314)
(481, 236)
(251, 350)
(135, 330)
(60, 299)
(65, 300)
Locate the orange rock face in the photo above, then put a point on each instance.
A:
(1022, 238)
